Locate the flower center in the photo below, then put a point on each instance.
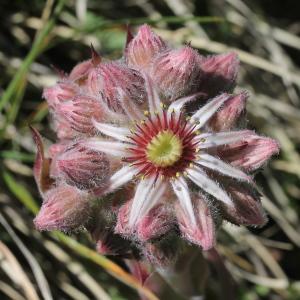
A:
(164, 149)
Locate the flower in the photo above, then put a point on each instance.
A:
(157, 137)
(164, 150)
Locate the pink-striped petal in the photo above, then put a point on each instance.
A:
(207, 111)
(112, 148)
(119, 133)
(181, 190)
(146, 196)
(153, 98)
(120, 178)
(218, 165)
(208, 140)
(209, 186)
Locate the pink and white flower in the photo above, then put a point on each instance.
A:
(157, 134)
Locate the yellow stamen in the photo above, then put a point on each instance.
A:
(164, 149)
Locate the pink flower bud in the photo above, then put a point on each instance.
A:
(175, 72)
(106, 81)
(143, 47)
(220, 72)
(62, 91)
(63, 128)
(227, 118)
(81, 70)
(65, 208)
(57, 148)
(122, 227)
(202, 232)
(80, 112)
(251, 153)
(157, 222)
(247, 208)
(81, 166)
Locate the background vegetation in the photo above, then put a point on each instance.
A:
(36, 35)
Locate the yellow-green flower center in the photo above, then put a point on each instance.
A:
(164, 149)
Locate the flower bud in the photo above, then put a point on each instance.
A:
(220, 72)
(175, 72)
(201, 233)
(143, 47)
(251, 153)
(81, 70)
(61, 92)
(122, 227)
(155, 223)
(64, 208)
(247, 208)
(63, 128)
(82, 167)
(80, 112)
(227, 117)
(108, 78)
(57, 148)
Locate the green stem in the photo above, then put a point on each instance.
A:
(31, 56)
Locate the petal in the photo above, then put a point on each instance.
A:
(119, 133)
(146, 196)
(153, 98)
(119, 178)
(206, 112)
(216, 164)
(112, 148)
(203, 232)
(181, 190)
(209, 186)
(208, 140)
(251, 153)
(179, 103)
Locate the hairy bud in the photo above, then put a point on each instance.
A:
(143, 47)
(80, 112)
(61, 92)
(64, 208)
(155, 223)
(202, 232)
(220, 72)
(175, 72)
(227, 118)
(251, 153)
(82, 167)
(109, 78)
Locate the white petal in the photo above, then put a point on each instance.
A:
(153, 98)
(146, 196)
(222, 138)
(119, 178)
(112, 148)
(222, 167)
(179, 103)
(116, 132)
(181, 190)
(206, 112)
(130, 108)
(209, 186)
